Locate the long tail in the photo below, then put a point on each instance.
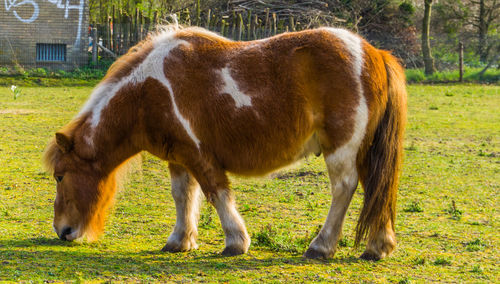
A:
(382, 162)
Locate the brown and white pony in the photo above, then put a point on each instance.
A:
(209, 105)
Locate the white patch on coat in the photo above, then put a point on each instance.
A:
(229, 86)
(354, 45)
(151, 67)
(183, 121)
(100, 98)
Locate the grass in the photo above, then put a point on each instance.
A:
(471, 75)
(88, 76)
(41, 77)
(451, 165)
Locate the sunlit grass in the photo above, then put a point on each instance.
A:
(452, 164)
(471, 75)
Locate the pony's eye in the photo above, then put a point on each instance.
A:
(59, 178)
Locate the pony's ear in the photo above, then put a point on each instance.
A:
(64, 142)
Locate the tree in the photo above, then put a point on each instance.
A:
(488, 13)
(478, 19)
(387, 24)
(426, 44)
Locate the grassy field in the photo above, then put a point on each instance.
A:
(448, 205)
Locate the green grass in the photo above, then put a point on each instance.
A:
(36, 77)
(452, 164)
(89, 76)
(471, 75)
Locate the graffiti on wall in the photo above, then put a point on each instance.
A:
(12, 5)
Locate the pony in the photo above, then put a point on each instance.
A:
(209, 105)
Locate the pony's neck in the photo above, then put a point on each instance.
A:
(117, 156)
(112, 142)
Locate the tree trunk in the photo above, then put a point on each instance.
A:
(461, 61)
(493, 60)
(482, 48)
(426, 45)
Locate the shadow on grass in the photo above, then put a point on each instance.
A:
(50, 259)
(35, 242)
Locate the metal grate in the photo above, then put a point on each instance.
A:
(49, 52)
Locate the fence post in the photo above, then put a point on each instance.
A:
(114, 29)
(292, 24)
(94, 46)
(198, 13)
(233, 30)
(249, 25)
(461, 60)
(240, 27)
(108, 33)
(223, 27)
(274, 24)
(209, 16)
(188, 16)
(255, 24)
(136, 25)
(266, 24)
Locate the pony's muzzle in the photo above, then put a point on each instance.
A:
(66, 232)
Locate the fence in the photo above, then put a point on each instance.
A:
(120, 32)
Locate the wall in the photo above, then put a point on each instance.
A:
(24, 23)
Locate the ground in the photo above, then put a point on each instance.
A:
(447, 224)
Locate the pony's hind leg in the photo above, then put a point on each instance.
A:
(380, 243)
(187, 197)
(344, 180)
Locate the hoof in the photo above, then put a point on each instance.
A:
(370, 256)
(316, 254)
(173, 247)
(233, 251)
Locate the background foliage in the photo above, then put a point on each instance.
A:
(389, 24)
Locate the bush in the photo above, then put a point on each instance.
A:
(37, 72)
(471, 75)
(4, 71)
(415, 75)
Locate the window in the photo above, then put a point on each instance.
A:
(48, 52)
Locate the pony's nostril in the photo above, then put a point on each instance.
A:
(66, 231)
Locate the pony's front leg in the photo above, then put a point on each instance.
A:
(344, 180)
(215, 186)
(187, 197)
(237, 239)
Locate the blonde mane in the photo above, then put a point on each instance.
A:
(52, 152)
(50, 155)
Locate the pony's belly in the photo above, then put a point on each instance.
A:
(263, 162)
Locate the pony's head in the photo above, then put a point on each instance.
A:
(84, 190)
